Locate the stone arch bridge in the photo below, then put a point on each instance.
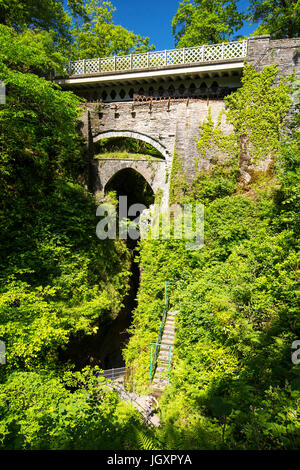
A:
(168, 129)
(163, 97)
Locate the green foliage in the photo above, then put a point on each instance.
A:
(257, 112)
(30, 51)
(126, 145)
(49, 15)
(221, 151)
(100, 37)
(200, 22)
(178, 179)
(238, 319)
(220, 181)
(56, 279)
(258, 109)
(213, 144)
(78, 29)
(275, 17)
(288, 170)
(144, 441)
(77, 411)
(233, 385)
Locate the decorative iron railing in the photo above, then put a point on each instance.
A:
(156, 59)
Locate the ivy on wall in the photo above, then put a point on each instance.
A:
(212, 143)
(258, 109)
(257, 113)
(178, 179)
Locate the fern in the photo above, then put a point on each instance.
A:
(174, 440)
(144, 442)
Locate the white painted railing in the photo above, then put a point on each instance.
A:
(188, 55)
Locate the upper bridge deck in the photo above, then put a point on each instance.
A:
(156, 64)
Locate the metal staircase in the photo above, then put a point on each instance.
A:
(161, 375)
(162, 351)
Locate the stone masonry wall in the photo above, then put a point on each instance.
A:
(263, 51)
(165, 126)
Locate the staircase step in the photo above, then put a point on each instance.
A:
(169, 329)
(168, 338)
(164, 354)
(164, 358)
(162, 369)
(169, 342)
(161, 386)
(159, 381)
(168, 333)
(165, 351)
(163, 363)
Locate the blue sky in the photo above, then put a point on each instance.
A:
(153, 18)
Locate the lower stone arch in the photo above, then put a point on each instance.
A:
(132, 183)
(109, 168)
(134, 135)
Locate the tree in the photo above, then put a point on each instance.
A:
(79, 28)
(47, 15)
(279, 18)
(100, 37)
(205, 21)
(42, 164)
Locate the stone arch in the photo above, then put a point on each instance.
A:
(124, 180)
(133, 135)
(111, 167)
(153, 172)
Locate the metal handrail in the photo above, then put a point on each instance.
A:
(157, 347)
(153, 359)
(113, 373)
